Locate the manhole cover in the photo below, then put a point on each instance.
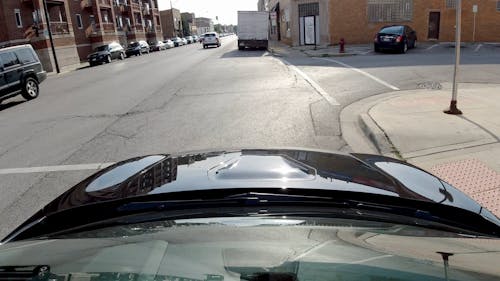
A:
(430, 85)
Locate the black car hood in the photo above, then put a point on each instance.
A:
(289, 172)
(260, 169)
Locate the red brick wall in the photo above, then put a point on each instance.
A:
(8, 29)
(348, 19)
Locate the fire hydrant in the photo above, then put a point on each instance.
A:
(342, 45)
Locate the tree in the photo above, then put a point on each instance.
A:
(218, 28)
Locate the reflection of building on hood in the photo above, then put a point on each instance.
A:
(141, 181)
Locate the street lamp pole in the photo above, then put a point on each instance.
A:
(453, 104)
(47, 20)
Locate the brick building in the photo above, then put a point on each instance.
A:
(78, 26)
(171, 22)
(188, 26)
(204, 25)
(323, 22)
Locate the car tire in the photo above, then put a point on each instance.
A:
(122, 56)
(404, 48)
(241, 48)
(376, 49)
(108, 59)
(30, 89)
(204, 46)
(414, 43)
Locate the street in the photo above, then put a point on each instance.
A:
(190, 98)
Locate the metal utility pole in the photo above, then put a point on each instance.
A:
(47, 20)
(453, 104)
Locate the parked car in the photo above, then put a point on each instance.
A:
(137, 48)
(157, 46)
(189, 39)
(20, 72)
(106, 53)
(177, 41)
(169, 43)
(398, 38)
(200, 39)
(211, 39)
(184, 40)
(195, 38)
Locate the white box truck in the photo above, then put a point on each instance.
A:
(253, 29)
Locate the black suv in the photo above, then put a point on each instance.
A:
(20, 72)
(106, 53)
(137, 48)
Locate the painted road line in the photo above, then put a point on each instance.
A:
(376, 79)
(370, 259)
(431, 47)
(478, 47)
(61, 168)
(313, 84)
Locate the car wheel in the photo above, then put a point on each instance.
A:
(414, 43)
(204, 46)
(241, 48)
(122, 56)
(405, 48)
(108, 59)
(376, 49)
(30, 89)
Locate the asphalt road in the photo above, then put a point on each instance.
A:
(190, 98)
(181, 99)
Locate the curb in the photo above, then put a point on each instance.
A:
(361, 132)
(330, 55)
(377, 136)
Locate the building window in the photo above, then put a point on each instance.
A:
(79, 22)
(106, 19)
(309, 9)
(17, 13)
(451, 4)
(127, 20)
(390, 10)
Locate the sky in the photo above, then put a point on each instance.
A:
(226, 10)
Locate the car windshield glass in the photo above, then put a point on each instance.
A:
(392, 30)
(135, 44)
(102, 48)
(270, 248)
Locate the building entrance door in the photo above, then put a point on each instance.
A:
(434, 21)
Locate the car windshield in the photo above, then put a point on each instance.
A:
(242, 248)
(392, 30)
(114, 113)
(102, 48)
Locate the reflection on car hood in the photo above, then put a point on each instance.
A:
(260, 169)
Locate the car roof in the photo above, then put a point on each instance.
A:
(16, 47)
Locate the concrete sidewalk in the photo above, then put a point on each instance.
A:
(463, 150)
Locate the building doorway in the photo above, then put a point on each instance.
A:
(434, 22)
(309, 24)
